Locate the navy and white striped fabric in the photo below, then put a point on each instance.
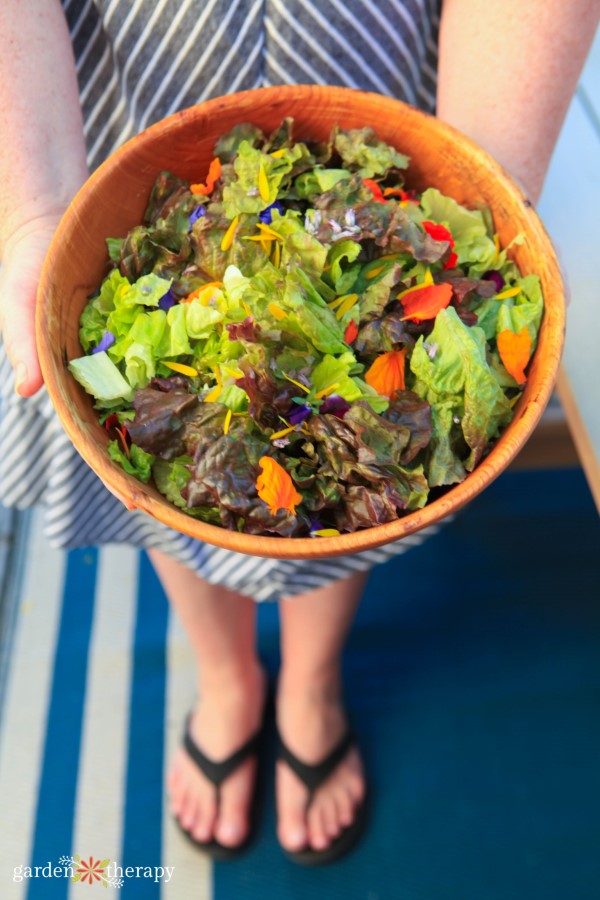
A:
(137, 62)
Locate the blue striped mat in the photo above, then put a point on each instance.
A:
(473, 679)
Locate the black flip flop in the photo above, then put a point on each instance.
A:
(218, 772)
(313, 776)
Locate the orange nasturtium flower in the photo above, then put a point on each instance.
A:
(275, 487)
(515, 350)
(351, 332)
(441, 233)
(375, 190)
(425, 302)
(214, 173)
(386, 375)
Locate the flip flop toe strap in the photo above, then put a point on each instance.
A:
(315, 775)
(215, 771)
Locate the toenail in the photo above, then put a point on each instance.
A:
(296, 838)
(319, 843)
(229, 832)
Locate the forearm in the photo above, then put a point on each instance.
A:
(42, 151)
(507, 72)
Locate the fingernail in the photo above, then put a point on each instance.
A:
(20, 375)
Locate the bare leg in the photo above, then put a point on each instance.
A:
(310, 714)
(221, 626)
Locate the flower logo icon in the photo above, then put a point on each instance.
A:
(91, 871)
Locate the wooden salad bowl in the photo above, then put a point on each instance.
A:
(115, 197)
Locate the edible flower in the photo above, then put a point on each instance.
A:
(275, 486)
(515, 350)
(441, 233)
(351, 332)
(496, 277)
(167, 300)
(214, 173)
(299, 414)
(181, 368)
(426, 301)
(375, 190)
(335, 406)
(230, 234)
(263, 185)
(196, 214)
(266, 216)
(386, 375)
(404, 196)
(107, 341)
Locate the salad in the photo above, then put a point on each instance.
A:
(298, 344)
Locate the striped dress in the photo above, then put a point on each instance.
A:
(137, 62)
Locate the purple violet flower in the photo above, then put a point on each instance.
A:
(107, 341)
(315, 525)
(299, 414)
(335, 405)
(266, 216)
(167, 300)
(496, 277)
(196, 214)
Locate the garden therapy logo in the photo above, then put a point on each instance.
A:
(90, 870)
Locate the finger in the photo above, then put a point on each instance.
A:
(17, 322)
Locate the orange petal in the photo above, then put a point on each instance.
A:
(386, 375)
(275, 486)
(515, 350)
(214, 173)
(351, 332)
(426, 302)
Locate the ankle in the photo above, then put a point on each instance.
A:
(232, 679)
(322, 685)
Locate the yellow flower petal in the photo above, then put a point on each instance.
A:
(509, 292)
(229, 234)
(277, 312)
(180, 367)
(227, 421)
(263, 185)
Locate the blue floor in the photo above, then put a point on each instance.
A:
(473, 680)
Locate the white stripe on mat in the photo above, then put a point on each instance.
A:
(193, 871)
(26, 705)
(98, 822)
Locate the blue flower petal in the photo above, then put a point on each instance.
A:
(196, 214)
(299, 414)
(107, 341)
(266, 216)
(167, 300)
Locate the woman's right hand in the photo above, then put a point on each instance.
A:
(23, 256)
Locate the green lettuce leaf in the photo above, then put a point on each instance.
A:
(362, 152)
(100, 377)
(138, 463)
(467, 403)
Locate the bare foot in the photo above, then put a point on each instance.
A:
(225, 717)
(311, 721)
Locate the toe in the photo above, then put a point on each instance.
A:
(331, 819)
(317, 830)
(188, 811)
(345, 807)
(234, 803)
(291, 800)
